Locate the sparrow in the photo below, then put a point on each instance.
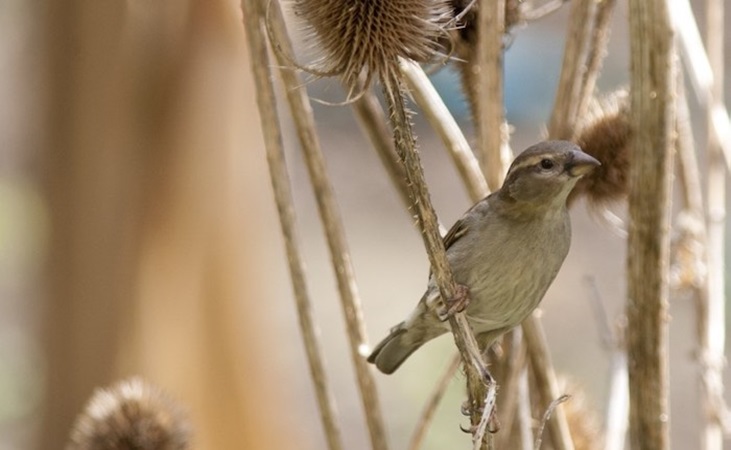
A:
(505, 252)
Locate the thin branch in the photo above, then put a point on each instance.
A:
(546, 416)
(618, 404)
(652, 75)
(266, 102)
(701, 74)
(492, 131)
(478, 377)
(510, 388)
(563, 117)
(334, 231)
(446, 127)
(546, 382)
(488, 410)
(430, 408)
(712, 326)
(596, 53)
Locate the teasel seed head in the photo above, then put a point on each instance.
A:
(131, 415)
(366, 38)
(605, 135)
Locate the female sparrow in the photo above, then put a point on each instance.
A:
(506, 250)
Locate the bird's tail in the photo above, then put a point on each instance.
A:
(400, 343)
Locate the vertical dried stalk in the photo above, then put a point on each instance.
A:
(463, 336)
(618, 405)
(563, 117)
(335, 234)
(652, 117)
(266, 101)
(545, 375)
(701, 73)
(712, 326)
(491, 126)
(596, 53)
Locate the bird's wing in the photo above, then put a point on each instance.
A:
(457, 231)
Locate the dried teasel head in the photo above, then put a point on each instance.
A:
(131, 415)
(367, 37)
(605, 134)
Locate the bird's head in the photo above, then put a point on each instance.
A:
(544, 174)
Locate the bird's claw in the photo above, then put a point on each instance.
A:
(493, 424)
(456, 304)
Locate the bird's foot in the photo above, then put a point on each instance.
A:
(493, 424)
(456, 304)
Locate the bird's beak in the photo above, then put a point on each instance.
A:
(580, 164)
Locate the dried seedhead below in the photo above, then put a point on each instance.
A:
(131, 415)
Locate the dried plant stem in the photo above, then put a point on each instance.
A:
(478, 377)
(511, 389)
(546, 382)
(618, 404)
(701, 73)
(491, 127)
(597, 51)
(266, 102)
(335, 234)
(446, 127)
(430, 408)
(373, 121)
(546, 416)
(563, 117)
(712, 322)
(652, 117)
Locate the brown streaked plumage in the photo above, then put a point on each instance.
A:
(506, 250)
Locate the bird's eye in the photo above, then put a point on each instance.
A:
(547, 164)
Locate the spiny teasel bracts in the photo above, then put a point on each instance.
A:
(131, 415)
(605, 135)
(367, 37)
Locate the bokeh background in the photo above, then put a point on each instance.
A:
(138, 233)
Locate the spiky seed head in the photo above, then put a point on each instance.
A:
(367, 37)
(132, 415)
(605, 135)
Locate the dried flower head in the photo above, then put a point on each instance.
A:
(605, 135)
(132, 415)
(367, 37)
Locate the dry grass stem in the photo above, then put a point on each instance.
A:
(596, 53)
(430, 408)
(546, 416)
(545, 375)
(266, 102)
(446, 127)
(492, 130)
(510, 388)
(334, 231)
(478, 378)
(652, 98)
(701, 73)
(478, 438)
(564, 115)
(618, 402)
(712, 328)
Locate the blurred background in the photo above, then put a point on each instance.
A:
(138, 233)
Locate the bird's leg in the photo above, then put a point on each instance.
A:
(493, 425)
(456, 304)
